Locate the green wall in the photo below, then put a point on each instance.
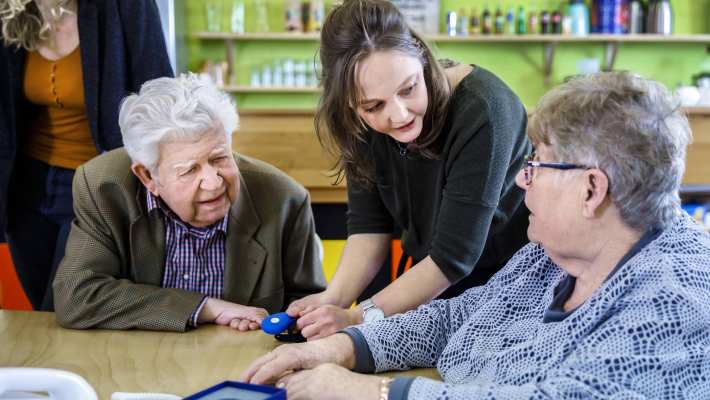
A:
(518, 64)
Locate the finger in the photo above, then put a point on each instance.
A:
(244, 325)
(256, 365)
(297, 386)
(306, 310)
(273, 369)
(253, 326)
(259, 315)
(234, 324)
(285, 379)
(310, 318)
(312, 330)
(295, 308)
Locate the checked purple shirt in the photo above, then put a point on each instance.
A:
(195, 257)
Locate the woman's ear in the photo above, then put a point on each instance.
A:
(146, 178)
(596, 191)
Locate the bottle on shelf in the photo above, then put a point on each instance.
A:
(463, 28)
(533, 20)
(545, 25)
(660, 17)
(278, 77)
(579, 15)
(261, 16)
(486, 21)
(266, 76)
(292, 16)
(452, 21)
(306, 16)
(637, 16)
(521, 28)
(236, 17)
(510, 21)
(499, 21)
(475, 24)
(556, 20)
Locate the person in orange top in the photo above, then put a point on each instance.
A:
(65, 65)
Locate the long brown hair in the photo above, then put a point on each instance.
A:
(351, 32)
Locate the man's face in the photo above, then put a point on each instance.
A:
(197, 179)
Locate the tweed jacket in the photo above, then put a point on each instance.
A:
(111, 274)
(122, 46)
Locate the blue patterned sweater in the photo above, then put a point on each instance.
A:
(645, 333)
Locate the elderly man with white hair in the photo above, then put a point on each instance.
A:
(175, 230)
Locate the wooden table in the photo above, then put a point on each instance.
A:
(135, 361)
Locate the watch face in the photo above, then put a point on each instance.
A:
(373, 314)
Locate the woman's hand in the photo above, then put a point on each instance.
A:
(269, 368)
(332, 382)
(307, 304)
(326, 320)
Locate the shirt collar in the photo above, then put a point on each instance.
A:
(155, 203)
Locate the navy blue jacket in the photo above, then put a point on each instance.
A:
(122, 46)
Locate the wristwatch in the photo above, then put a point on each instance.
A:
(370, 312)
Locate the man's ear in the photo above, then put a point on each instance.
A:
(146, 178)
(596, 192)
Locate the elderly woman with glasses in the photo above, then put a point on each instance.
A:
(610, 300)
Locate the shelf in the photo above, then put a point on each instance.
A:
(696, 110)
(593, 38)
(550, 42)
(270, 89)
(695, 190)
(281, 36)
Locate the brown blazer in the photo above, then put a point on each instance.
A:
(112, 271)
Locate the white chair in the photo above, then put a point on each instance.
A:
(43, 383)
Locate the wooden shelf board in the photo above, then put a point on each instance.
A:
(296, 36)
(697, 110)
(270, 89)
(593, 38)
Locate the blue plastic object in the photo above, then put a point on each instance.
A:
(277, 323)
(239, 391)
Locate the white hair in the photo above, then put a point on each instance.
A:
(165, 109)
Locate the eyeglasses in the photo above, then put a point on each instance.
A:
(530, 164)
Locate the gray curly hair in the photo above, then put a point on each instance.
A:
(629, 127)
(173, 108)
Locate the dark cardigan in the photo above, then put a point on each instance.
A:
(463, 209)
(122, 46)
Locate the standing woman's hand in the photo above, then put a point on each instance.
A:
(303, 306)
(327, 320)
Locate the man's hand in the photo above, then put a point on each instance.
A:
(269, 368)
(236, 316)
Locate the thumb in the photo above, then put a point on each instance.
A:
(295, 308)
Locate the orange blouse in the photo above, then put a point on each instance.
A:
(59, 133)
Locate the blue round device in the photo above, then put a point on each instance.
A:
(277, 323)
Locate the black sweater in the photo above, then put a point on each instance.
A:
(463, 209)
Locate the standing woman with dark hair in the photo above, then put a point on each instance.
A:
(65, 65)
(431, 148)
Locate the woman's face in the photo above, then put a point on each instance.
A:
(553, 197)
(393, 94)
